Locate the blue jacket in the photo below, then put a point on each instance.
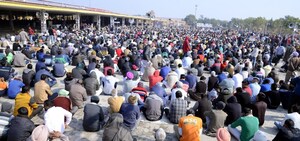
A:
(192, 79)
(39, 74)
(164, 71)
(131, 113)
(296, 83)
(14, 88)
(59, 70)
(39, 65)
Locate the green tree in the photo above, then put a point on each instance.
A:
(190, 19)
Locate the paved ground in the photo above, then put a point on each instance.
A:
(146, 129)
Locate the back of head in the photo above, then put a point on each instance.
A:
(43, 77)
(40, 133)
(261, 97)
(223, 135)
(160, 135)
(132, 99)
(29, 66)
(178, 94)
(289, 123)
(25, 89)
(48, 104)
(95, 99)
(23, 111)
(114, 92)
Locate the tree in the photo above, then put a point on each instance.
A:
(190, 19)
(150, 14)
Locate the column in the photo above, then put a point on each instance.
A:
(43, 17)
(123, 21)
(136, 22)
(99, 22)
(77, 21)
(112, 21)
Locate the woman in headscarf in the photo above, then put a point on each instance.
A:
(115, 130)
(186, 45)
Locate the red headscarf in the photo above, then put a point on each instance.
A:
(186, 44)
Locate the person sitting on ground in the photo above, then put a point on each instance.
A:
(273, 97)
(62, 100)
(153, 107)
(115, 129)
(69, 80)
(155, 78)
(215, 119)
(41, 133)
(79, 72)
(56, 118)
(58, 70)
(179, 87)
(91, 65)
(190, 127)
(131, 113)
(201, 106)
(259, 108)
(14, 87)
(51, 80)
(200, 89)
(20, 127)
(28, 76)
(287, 132)
(115, 101)
(91, 84)
(128, 83)
(78, 95)
(141, 90)
(40, 64)
(177, 108)
(294, 115)
(159, 90)
(93, 118)
(109, 83)
(42, 90)
(249, 126)
(265, 86)
(20, 60)
(5, 117)
(24, 99)
(233, 109)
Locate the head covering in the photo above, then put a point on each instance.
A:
(160, 135)
(295, 54)
(223, 135)
(134, 67)
(63, 92)
(213, 73)
(129, 75)
(220, 105)
(95, 99)
(140, 84)
(114, 92)
(132, 99)
(40, 133)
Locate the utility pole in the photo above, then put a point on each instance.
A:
(196, 15)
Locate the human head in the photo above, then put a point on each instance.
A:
(274, 87)
(179, 84)
(247, 111)
(178, 94)
(213, 74)
(289, 123)
(132, 99)
(95, 99)
(223, 135)
(48, 104)
(261, 97)
(25, 89)
(182, 76)
(43, 77)
(109, 72)
(29, 66)
(40, 133)
(202, 78)
(114, 92)
(129, 75)
(23, 111)
(220, 105)
(160, 135)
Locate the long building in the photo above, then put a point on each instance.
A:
(42, 14)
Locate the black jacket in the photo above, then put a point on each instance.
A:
(203, 106)
(285, 134)
(93, 118)
(20, 129)
(233, 109)
(28, 77)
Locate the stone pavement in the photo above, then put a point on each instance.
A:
(146, 129)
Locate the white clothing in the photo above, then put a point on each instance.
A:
(109, 84)
(238, 79)
(294, 117)
(173, 93)
(187, 61)
(55, 119)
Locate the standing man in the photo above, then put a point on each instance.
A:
(293, 65)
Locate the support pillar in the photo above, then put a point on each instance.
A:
(123, 21)
(77, 21)
(112, 21)
(11, 22)
(99, 22)
(137, 22)
(43, 18)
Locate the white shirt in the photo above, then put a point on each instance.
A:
(173, 93)
(294, 117)
(55, 119)
(187, 61)
(109, 84)
(180, 71)
(238, 79)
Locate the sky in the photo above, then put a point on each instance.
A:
(219, 9)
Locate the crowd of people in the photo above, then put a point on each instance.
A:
(162, 71)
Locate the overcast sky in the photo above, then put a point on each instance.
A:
(219, 9)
